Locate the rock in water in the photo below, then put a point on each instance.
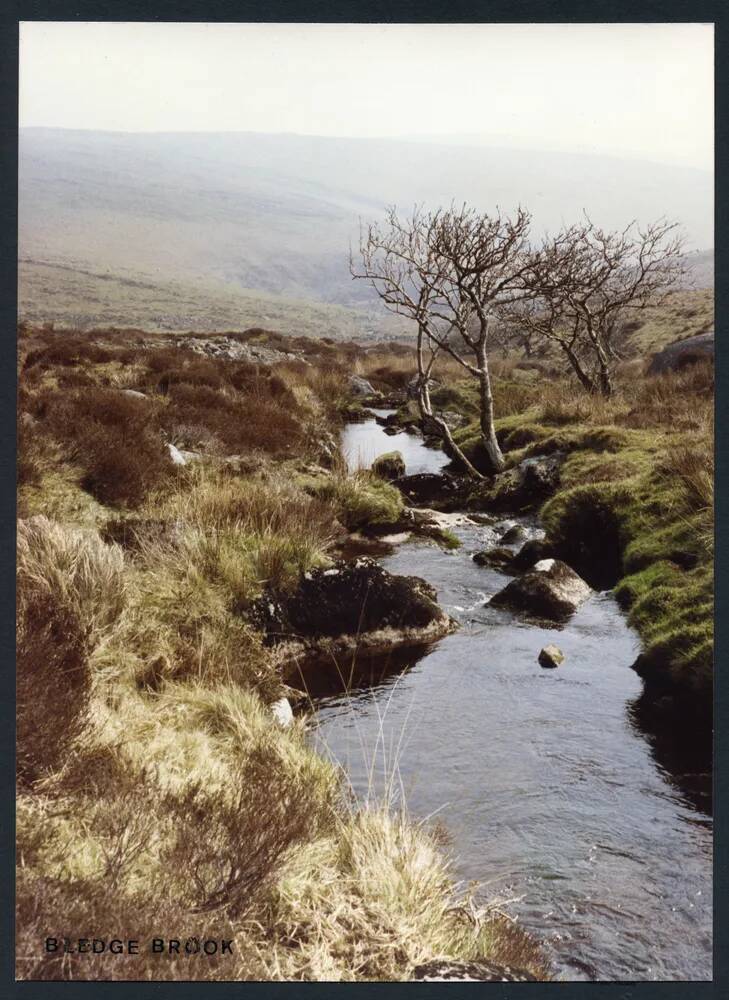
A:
(532, 552)
(353, 599)
(513, 535)
(551, 589)
(499, 557)
(391, 465)
(282, 713)
(550, 656)
(445, 971)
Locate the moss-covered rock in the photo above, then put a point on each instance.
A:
(390, 465)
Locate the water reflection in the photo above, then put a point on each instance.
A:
(681, 749)
(362, 443)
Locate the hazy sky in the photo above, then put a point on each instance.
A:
(628, 89)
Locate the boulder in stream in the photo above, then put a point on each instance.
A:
(351, 606)
(531, 552)
(551, 589)
(390, 465)
(499, 558)
(516, 533)
(550, 656)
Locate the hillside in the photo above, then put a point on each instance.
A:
(72, 296)
(206, 218)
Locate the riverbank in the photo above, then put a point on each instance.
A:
(631, 507)
(163, 492)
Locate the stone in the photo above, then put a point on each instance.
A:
(512, 535)
(390, 465)
(550, 656)
(282, 712)
(176, 455)
(481, 971)
(360, 386)
(413, 386)
(134, 393)
(485, 519)
(524, 487)
(499, 557)
(682, 353)
(551, 589)
(430, 489)
(531, 552)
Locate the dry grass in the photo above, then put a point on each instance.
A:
(70, 591)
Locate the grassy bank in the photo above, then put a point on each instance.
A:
(157, 795)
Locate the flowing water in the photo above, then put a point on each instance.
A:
(549, 789)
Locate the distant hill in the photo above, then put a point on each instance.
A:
(232, 218)
(71, 296)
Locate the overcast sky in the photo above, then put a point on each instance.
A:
(632, 89)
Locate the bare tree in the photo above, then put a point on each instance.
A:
(585, 282)
(450, 271)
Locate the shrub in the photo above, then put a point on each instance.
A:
(266, 420)
(230, 845)
(70, 591)
(114, 439)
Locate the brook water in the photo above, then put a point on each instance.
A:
(549, 789)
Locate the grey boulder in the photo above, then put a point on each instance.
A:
(551, 589)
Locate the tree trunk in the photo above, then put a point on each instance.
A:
(486, 400)
(585, 381)
(426, 413)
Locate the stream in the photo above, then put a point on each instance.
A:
(552, 794)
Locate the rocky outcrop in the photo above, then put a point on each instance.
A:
(232, 349)
(390, 465)
(350, 606)
(550, 590)
(683, 353)
(550, 656)
(449, 971)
